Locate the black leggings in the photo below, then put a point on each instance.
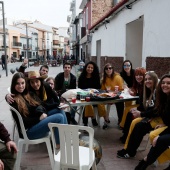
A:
(120, 109)
(129, 119)
(139, 131)
(162, 144)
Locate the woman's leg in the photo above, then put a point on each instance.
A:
(162, 144)
(134, 122)
(165, 156)
(41, 129)
(56, 111)
(128, 106)
(129, 119)
(139, 131)
(119, 108)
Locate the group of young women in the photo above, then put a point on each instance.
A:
(38, 105)
(150, 116)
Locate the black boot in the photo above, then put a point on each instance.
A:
(142, 165)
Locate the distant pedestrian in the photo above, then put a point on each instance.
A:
(3, 61)
(20, 57)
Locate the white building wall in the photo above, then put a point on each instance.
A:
(156, 30)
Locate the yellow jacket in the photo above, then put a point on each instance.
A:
(116, 81)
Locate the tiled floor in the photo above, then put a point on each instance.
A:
(37, 157)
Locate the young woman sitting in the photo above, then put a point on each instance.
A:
(34, 115)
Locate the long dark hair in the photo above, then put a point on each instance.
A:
(22, 98)
(14, 82)
(161, 97)
(95, 73)
(41, 94)
(131, 68)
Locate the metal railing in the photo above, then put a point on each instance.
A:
(17, 44)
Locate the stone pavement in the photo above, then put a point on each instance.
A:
(37, 157)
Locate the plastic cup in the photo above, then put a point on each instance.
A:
(82, 98)
(116, 88)
(87, 98)
(73, 98)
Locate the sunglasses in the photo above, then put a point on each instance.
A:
(108, 68)
(125, 66)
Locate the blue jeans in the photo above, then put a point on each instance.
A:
(41, 129)
(56, 111)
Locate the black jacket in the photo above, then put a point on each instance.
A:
(59, 80)
(30, 120)
(52, 101)
(4, 135)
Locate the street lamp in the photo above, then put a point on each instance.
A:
(4, 32)
(26, 25)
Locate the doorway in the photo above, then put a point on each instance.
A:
(134, 41)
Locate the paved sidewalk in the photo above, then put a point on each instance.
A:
(37, 157)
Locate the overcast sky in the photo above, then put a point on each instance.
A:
(49, 12)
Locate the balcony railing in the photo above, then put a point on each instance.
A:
(25, 46)
(16, 44)
(56, 42)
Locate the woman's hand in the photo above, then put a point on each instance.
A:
(159, 126)
(9, 98)
(136, 113)
(133, 109)
(131, 92)
(43, 116)
(154, 141)
(1, 165)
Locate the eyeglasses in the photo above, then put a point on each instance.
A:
(149, 72)
(108, 68)
(125, 66)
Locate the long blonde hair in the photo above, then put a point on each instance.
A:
(149, 94)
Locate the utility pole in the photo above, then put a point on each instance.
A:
(4, 32)
(27, 43)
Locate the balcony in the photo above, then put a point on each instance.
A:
(56, 37)
(56, 42)
(25, 46)
(2, 45)
(68, 18)
(16, 44)
(56, 46)
(44, 47)
(36, 48)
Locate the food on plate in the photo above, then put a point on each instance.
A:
(107, 94)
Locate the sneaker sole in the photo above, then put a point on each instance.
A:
(128, 157)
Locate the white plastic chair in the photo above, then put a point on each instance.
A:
(27, 141)
(71, 155)
(14, 125)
